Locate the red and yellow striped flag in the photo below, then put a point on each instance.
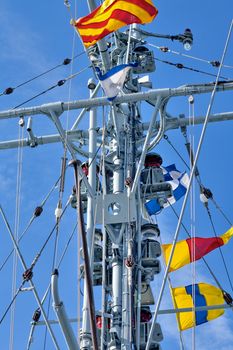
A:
(193, 249)
(112, 15)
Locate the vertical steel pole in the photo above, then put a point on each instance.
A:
(85, 338)
(117, 262)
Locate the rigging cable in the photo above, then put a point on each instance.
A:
(58, 212)
(192, 212)
(59, 83)
(208, 195)
(187, 192)
(27, 275)
(104, 248)
(181, 66)
(37, 212)
(37, 313)
(220, 249)
(199, 181)
(213, 63)
(202, 258)
(16, 228)
(65, 62)
(182, 347)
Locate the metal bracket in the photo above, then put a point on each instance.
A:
(118, 208)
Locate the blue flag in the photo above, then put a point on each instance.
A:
(179, 182)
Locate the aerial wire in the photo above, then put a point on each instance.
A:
(213, 63)
(34, 323)
(16, 229)
(37, 212)
(181, 66)
(104, 249)
(65, 62)
(188, 189)
(203, 259)
(192, 214)
(27, 275)
(58, 212)
(220, 249)
(198, 178)
(181, 339)
(58, 84)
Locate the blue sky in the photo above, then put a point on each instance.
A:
(36, 36)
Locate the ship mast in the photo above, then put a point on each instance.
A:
(123, 256)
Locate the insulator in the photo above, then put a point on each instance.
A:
(61, 82)
(66, 61)
(21, 121)
(179, 65)
(191, 99)
(215, 63)
(227, 297)
(8, 91)
(203, 198)
(207, 192)
(36, 315)
(164, 49)
(38, 211)
(58, 212)
(27, 275)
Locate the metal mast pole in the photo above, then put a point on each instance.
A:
(117, 261)
(86, 334)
